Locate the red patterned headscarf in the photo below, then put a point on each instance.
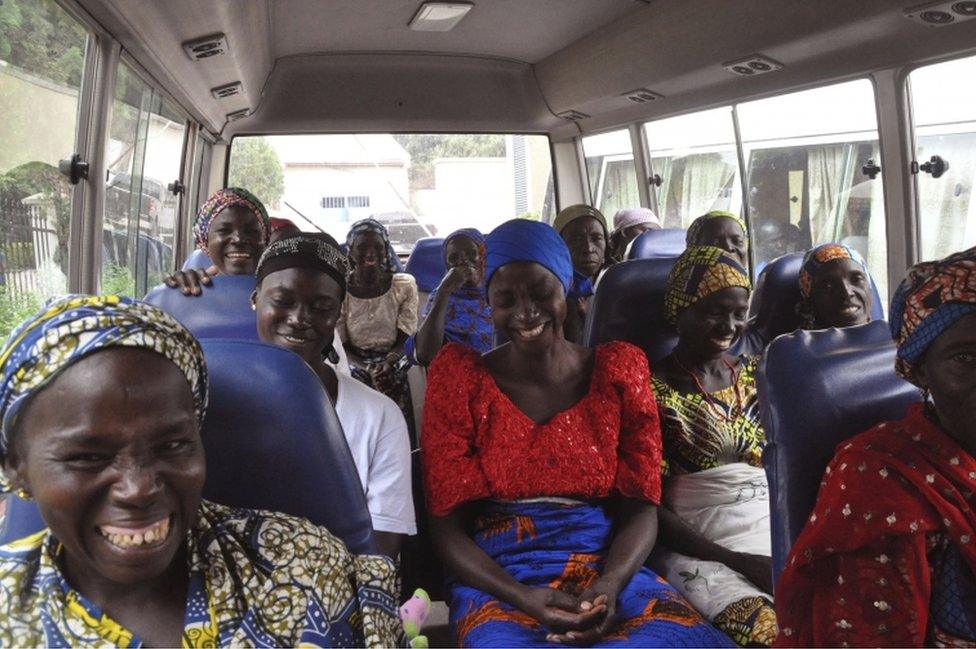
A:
(219, 202)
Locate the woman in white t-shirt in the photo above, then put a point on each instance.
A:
(301, 283)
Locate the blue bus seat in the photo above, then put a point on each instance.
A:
(273, 441)
(197, 259)
(21, 518)
(426, 263)
(658, 244)
(629, 306)
(223, 310)
(772, 310)
(817, 389)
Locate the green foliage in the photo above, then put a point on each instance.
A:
(254, 165)
(424, 149)
(16, 307)
(40, 37)
(117, 280)
(44, 179)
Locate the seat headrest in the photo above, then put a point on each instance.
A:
(817, 389)
(657, 244)
(197, 259)
(223, 310)
(273, 441)
(629, 306)
(426, 263)
(772, 310)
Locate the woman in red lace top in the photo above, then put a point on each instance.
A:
(550, 454)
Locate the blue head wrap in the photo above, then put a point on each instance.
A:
(72, 327)
(524, 240)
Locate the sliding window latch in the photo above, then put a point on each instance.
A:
(176, 188)
(871, 170)
(74, 169)
(655, 180)
(936, 166)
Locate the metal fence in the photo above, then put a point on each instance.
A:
(26, 242)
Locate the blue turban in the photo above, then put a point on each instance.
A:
(524, 240)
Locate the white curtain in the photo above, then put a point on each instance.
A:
(696, 184)
(946, 207)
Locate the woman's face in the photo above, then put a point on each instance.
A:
(234, 241)
(297, 308)
(528, 304)
(948, 371)
(587, 245)
(723, 232)
(368, 251)
(711, 325)
(465, 251)
(111, 453)
(840, 294)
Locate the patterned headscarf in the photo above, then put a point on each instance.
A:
(697, 273)
(219, 202)
(72, 327)
(569, 214)
(304, 251)
(693, 237)
(815, 260)
(524, 240)
(929, 300)
(631, 216)
(374, 226)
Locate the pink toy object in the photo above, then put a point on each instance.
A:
(413, 614)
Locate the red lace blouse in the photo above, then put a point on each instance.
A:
(477, 444)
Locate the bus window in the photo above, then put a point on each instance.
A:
(418, 185)
(42, 62)
(611, 172)
(944, 110)
(196, 193)
(695, 157)
(804, 154)
(143, 158)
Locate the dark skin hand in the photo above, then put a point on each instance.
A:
(544, 374)
(112, 447)
(463, 258)
(706, 330)
(234, 243)
(297, 309)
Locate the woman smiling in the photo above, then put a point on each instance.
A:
(101, 402)
(542, 470)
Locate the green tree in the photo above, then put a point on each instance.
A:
(254, 165)
(424, 149)
(40, 37)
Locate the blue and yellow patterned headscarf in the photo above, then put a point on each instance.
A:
(929, 300)
(72, 327)
(693, 236)
(219, 202)
(699, 272)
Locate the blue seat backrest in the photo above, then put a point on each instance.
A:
(629, 306)
(197, 259)
(772, 310)
(223, 310)
(273, 441)
(817, 389)
(21, 518)
(657, 244)
(426, 263)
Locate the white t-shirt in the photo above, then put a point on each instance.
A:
(377, 436)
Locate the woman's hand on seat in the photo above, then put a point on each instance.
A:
(191, 281)
(756, 568)
(558, 611)
(602, 596)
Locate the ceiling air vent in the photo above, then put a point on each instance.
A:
(752, 65)
(939, 14)
(206, 47)
(642, 96)
(238, 114)
(231, 89)
(573, 115)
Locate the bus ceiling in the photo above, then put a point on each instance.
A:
(356, 66)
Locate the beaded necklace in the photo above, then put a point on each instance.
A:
(714, 407)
